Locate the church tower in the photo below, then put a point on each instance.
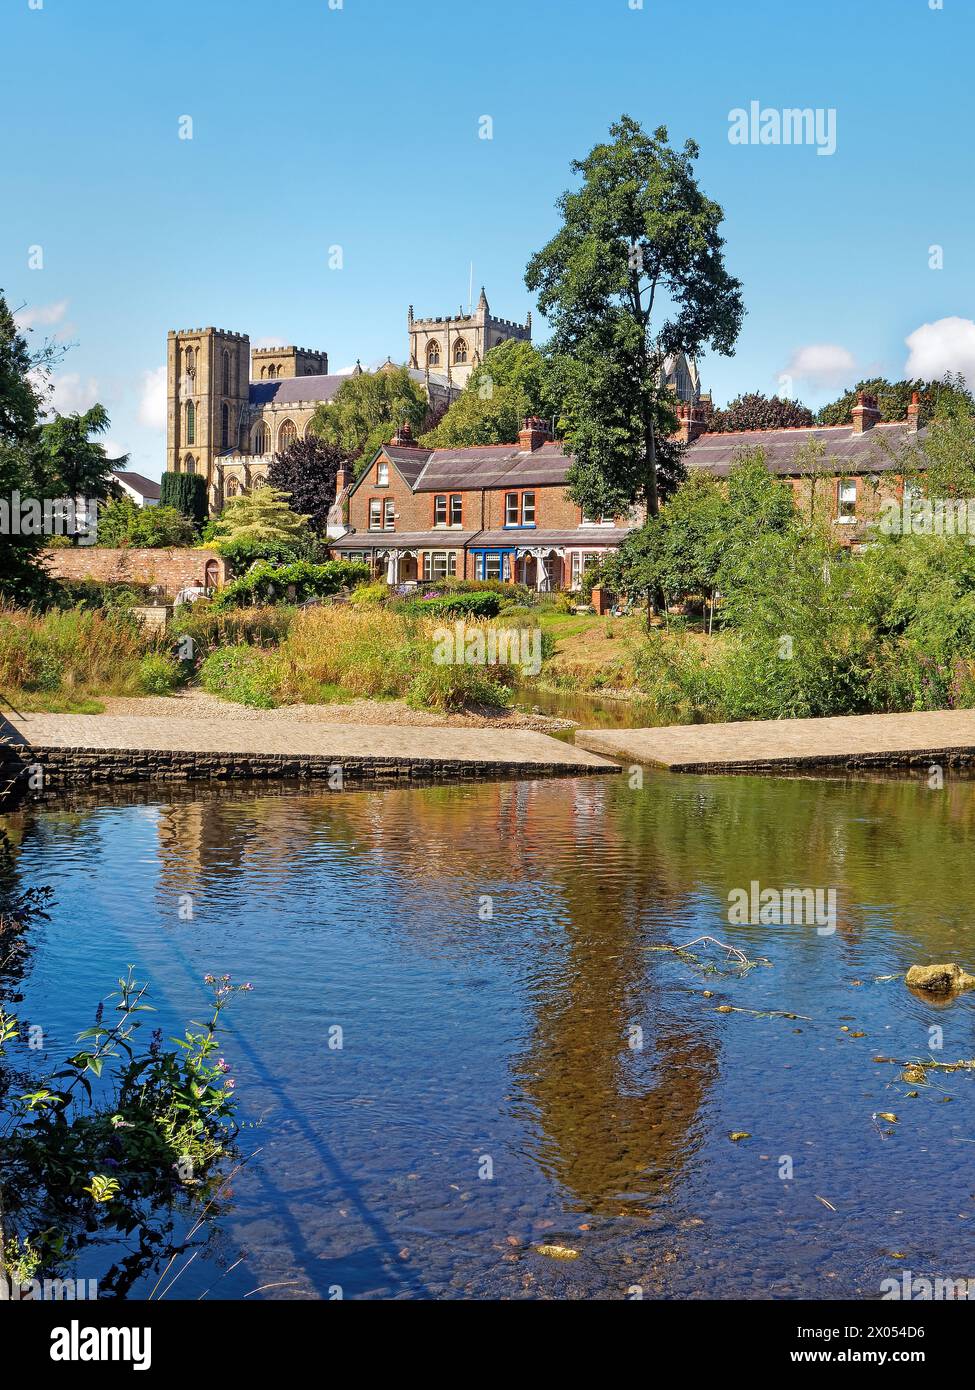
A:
(207, 390)
(452, 347)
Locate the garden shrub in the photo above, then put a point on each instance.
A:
(459, 605)
(159, 673)
(246, 675)
(266, 583)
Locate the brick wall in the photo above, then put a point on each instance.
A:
(172, 570)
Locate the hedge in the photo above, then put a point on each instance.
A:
(480, 605)
(267, 583)
(187, 492)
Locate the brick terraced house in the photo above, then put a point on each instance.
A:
(498, 511)
(861, 465)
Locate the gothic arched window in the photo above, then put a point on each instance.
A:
(262, 439)
(233, 487)
(433, 354)
(189, 464)
(287, 435)
(460, 352)
(189, 361)
(190, 423)
(225, 426)
(226, 372)
(260, 482)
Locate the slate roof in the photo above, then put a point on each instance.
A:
(289, 390)
(488, 466)
(876, 451)
(138, 483)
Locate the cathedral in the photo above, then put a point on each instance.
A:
(231, 407)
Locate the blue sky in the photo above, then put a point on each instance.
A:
(358, 127)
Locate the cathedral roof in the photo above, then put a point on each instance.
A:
(289, 390)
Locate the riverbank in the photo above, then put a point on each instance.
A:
(74, 749)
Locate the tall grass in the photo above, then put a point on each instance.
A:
(61, 658)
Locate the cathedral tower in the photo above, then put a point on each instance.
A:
(207, 387)
(453, 347)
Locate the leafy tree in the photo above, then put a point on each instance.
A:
(757, 412)
(368, 408)
(122, 523)
(942, 465)
(187, 493)
(306, 471)
(509, 385)
(257, 520)
(635, 273)
(893, 398)
(22, 579)
(72, 462)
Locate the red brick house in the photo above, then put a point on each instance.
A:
(861, 465)
(498, 511)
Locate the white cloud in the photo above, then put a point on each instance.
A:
(41, 315)
(68, 393)
(947, 345)
(822, 364)
(113, 449)
(271, 342)
(152, 406)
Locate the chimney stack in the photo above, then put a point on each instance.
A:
(340, 481)
(865, 413)
(403, 438)
(690, 423)
(534, 434)
(914, 413)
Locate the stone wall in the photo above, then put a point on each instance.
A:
(172, 570)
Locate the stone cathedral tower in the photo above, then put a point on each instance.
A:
(453, 347)
(207, 388)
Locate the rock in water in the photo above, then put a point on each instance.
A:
(939, 979)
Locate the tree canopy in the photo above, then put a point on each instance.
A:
(754, 411)
(509, 385)
(306, 471)
(258, 520)
(635, 273)
(367, 410)
(893, 398)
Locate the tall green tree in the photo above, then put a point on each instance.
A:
(21, 576)
(635, 273)
(73, 462)
(893, 398)
(755, 411)
(367, 410)
(509, 385)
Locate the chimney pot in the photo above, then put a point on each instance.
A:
(865, 413)
(534, 434)
(914, 412)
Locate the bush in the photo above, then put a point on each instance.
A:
(294, 583)
(243, 551)
(122, 523)
(451, 688)
(159, 673)
(460, 605)
(246, 675)
(186, 493)
(366, 595)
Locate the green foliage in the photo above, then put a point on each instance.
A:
(246, 675)
(508, 386)
(103, 1149)
(242, 551)
(262, 517)
(159, 673)
(186, 493)
(943, 465)
(210, 627)
(122, 523)
(893, 398)
(368, 408)
(73, 653)
(22, 578)
(459, 605)
(755, 411)
(639, 238)
(368, 595)
(72, 463)
(266, 583)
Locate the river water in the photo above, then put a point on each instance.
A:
(520, 1065)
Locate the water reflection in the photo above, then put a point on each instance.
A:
(488, 953)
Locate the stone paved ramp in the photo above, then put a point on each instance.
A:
(946, 737)
(171, 746)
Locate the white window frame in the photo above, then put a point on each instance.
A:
(843, 516)
(382, 475)
(375, 514)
